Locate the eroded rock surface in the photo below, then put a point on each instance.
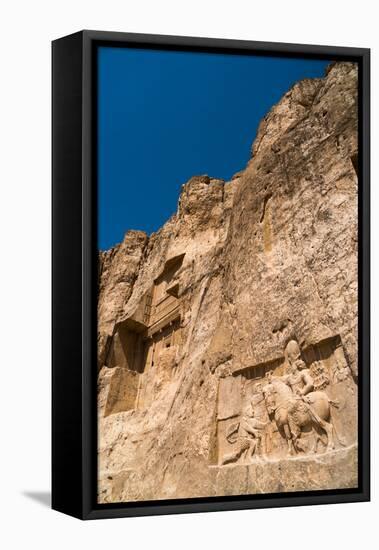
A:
(228, 339)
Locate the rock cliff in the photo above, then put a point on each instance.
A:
(245, 300)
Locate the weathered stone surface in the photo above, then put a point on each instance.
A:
(331, 470)
(228, 339)
(118, 270)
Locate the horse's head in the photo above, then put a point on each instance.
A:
(277, 394)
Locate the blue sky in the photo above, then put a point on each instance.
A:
(165, 116)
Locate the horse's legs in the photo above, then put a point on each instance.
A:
(287, 432)
(253, 448)
(328, 427)
(295, 431)
(263, 445)
(320, 412)
(315, 443)
(317, 437)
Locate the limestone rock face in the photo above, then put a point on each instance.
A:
(227, 341)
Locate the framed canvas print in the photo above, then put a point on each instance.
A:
(210, 274)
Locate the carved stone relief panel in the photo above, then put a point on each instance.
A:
(301, 403)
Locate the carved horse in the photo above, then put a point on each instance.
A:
(292, 414)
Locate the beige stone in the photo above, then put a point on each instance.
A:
(227, 341)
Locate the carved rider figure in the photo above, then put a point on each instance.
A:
(299, 377)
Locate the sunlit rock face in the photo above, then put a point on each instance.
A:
(227, 341)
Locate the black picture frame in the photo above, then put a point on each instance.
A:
(74, 272)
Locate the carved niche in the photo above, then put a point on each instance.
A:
(142, 353)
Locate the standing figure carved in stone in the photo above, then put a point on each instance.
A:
(258, 405)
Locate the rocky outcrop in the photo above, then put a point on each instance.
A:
(118, 270)
(247, 295)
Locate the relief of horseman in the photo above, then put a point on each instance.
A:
(296, 407)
